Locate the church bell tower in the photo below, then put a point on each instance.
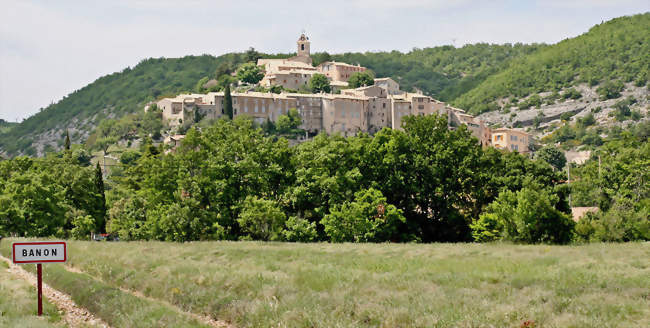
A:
(303, 46)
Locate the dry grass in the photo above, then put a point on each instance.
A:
(257, 284)
(18, 303)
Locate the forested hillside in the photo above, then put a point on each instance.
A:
(610, 54)
(473, 77)
(442, 71)
(115, 95)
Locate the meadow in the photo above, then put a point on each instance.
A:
(257, 284)
(18, 304)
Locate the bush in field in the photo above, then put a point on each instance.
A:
(83, 227)
(621, 223)
(299, 229)
(367, 219)
(127, 218)
(261, 219)
(527, 216)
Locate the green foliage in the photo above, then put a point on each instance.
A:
(566, 116)
(610, 90)
(622, 223)
(319, 83)
(261, 219)
(366, 219)
(571, 93)
(250, 73)
(67, 140)
(83, 226)
(42, 197)
(586, 121)
(611, 52)
(198, 88)
(227, 102)
(528, 216)
(552, 156)
(299, 230)
(532, 101)
(130, 157)
(360, 79)
(290, 122)
(119, 93)
(622, 110)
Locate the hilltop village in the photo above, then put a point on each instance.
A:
(344, 110)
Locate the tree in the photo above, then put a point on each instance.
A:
(101, 199)
(553, 156)
(227, 102)
(250, 73)
(261, 219)
(319, 83)
(252, 55)
(299, 230)
(369, 218)
(360, 79)
(67, 140)
(198, 88)
(528, 216)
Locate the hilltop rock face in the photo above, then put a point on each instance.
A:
(551, 114)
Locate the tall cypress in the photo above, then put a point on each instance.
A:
(101, 199)
(227, 102)
(67, 140)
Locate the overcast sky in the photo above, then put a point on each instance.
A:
(51, 48)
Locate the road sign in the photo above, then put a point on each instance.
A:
(39, 252)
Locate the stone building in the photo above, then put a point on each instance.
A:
(510, 139)
(365, 109)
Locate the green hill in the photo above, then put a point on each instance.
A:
(473, 77)
(617, 50)
(442, 72)
(6, 126)
(438, 71)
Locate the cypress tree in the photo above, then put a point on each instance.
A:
(67, 140)
(227, 102)
(101, 199)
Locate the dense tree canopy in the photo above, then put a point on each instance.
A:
(229, 180)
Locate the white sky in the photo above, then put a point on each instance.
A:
(51, 48)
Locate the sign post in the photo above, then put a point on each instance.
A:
(39, 252)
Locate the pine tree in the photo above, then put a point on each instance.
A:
(101, 199)
(67, 140)
(227, 102)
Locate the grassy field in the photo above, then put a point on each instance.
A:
(255, 284)
(18, 304)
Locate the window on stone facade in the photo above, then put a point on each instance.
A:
(420, 106)
(383, 105)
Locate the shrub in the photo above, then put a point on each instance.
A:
(261, 219)
(571, 93)
(83, 227)
(621, 223)
(299, 230)
(528, 216)
(367, 219)
(610, 90)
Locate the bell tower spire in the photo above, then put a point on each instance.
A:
(303, 45)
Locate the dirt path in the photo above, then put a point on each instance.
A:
(201, 318)
(74, 315)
